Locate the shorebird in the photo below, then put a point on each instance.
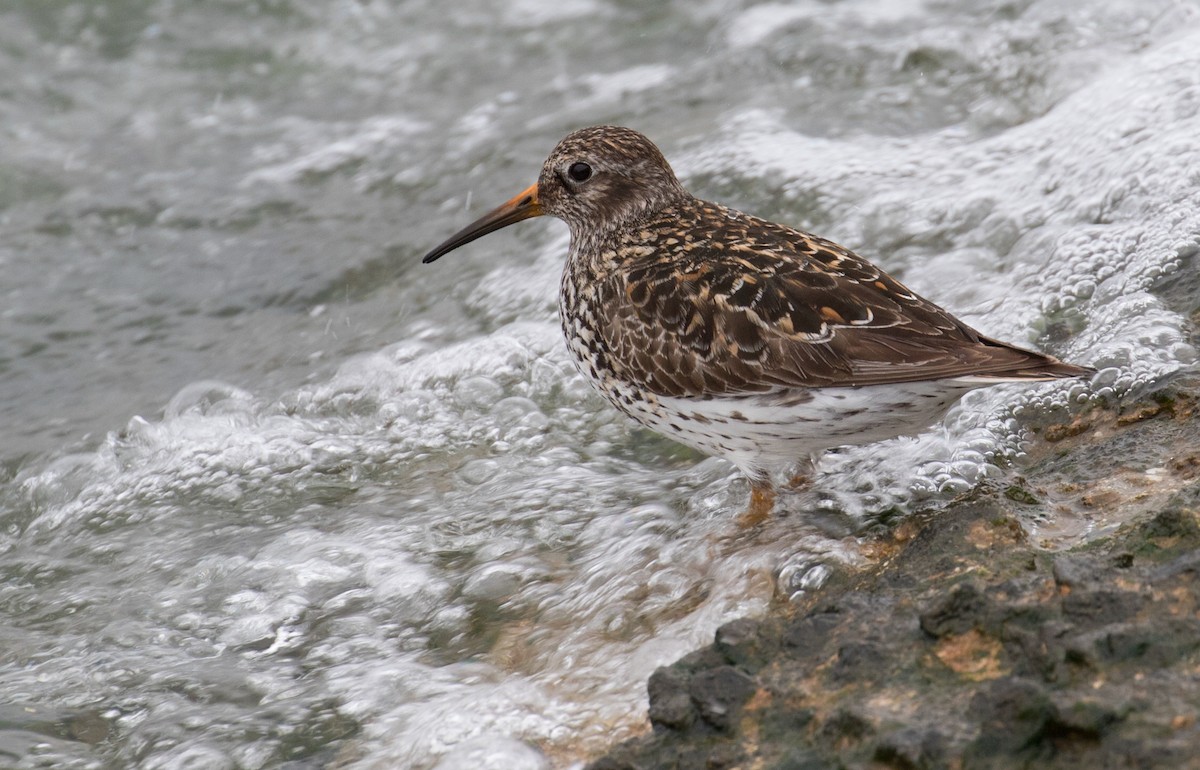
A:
(736, 336)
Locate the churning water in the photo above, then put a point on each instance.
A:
(274, 494)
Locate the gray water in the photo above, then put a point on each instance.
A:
(274, 494)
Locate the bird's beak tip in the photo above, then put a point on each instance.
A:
(523, 205)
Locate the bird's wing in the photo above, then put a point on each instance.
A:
(752, 307)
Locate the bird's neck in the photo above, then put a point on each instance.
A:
(602, 248)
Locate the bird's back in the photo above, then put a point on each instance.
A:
(699, 300)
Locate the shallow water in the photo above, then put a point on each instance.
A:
(275, 494)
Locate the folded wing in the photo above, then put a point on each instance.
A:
(758, 307)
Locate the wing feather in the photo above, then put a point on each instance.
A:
(755, 307)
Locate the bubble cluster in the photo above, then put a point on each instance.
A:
(433, 546)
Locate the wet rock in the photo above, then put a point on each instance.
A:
(959, 611)
(1188, 564)
(719, 693)
(722, 756)
(1005, 665)
(859, 660)
(1085, 717)
(809, 634)
(1178, 520)
(1012, 714)
(1122, 560)
(1039, 651)
(968, 646)
(911, 749)
(1155, 645)
(741, 643)
(1102, 606)
(786, 724)
(1072, 570)
(845, 728)
(670, 703)
(800, 759)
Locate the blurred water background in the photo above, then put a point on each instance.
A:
(273, 494)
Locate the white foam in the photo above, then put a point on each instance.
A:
(456, 553)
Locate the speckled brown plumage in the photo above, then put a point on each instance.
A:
(735, 335)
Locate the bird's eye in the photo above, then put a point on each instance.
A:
(579, 172)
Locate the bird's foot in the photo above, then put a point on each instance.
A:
(762, 500)
(799, 481)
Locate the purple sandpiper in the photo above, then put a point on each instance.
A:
(736, 336)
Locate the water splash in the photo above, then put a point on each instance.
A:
(446, 551)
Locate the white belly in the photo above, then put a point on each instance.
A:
(764, 434)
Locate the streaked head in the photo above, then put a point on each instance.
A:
(596, 179)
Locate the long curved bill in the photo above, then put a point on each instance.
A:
(522, 206)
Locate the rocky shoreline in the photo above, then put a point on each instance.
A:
(968, 644)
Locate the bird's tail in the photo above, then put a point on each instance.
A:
(1032, 366)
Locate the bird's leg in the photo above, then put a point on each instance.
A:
(799, 480)
(802, 476)
(762, 500)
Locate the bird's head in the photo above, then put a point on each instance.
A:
(596, 180)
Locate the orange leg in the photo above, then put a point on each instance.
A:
(799, 480)
(762, 500)
(803, 475)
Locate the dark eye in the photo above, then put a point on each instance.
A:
(579, 172)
